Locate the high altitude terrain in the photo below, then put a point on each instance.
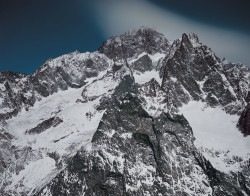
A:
(140, 116)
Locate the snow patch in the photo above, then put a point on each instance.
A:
(33, 174)
(230, 88)
(173, 79)
(142, 78)
(154, 57)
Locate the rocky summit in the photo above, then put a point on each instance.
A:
(140, 116)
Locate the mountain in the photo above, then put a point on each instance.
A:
(140, 116)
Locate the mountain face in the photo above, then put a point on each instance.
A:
(141, 116)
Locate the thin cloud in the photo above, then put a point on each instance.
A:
(116, 16)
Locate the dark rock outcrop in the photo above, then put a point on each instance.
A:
(142, 64)
(244, 121)
(43, 126)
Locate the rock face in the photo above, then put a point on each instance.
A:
(195, 73)
(133, 153)
(109, 122)
(143, 64)
(68, 71)
(244, 121)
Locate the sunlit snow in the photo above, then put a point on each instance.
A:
(142, 78)
(217, 135)
(76, 130)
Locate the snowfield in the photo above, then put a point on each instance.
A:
(217, 136)
(75, 131)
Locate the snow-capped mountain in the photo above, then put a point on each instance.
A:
(140, 116)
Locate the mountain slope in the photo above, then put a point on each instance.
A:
(140, 116)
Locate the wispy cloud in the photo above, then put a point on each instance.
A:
(117, 16)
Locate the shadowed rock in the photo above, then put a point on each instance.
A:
(244, 121)
(43, 126)
(142, 64)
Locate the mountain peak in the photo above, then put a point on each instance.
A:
(135, 42)
(190, 39)
(194, 37)
(133, 108)
(141, 30)
(184, 37)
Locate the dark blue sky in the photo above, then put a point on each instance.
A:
(228, 14)
(31, 31)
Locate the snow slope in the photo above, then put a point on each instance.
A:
(217, 136)
(75, 131)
